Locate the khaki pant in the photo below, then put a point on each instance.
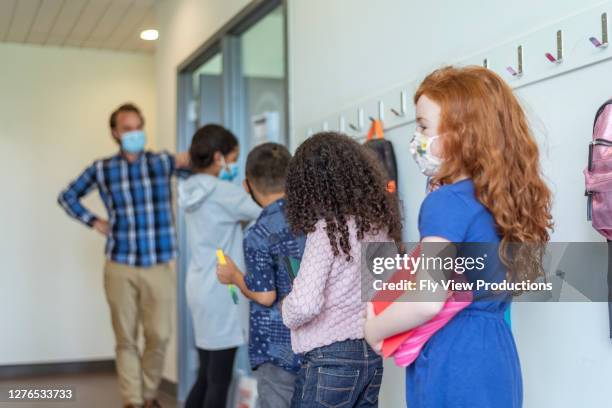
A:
(139, 296)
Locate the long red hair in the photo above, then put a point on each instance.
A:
(486, 137)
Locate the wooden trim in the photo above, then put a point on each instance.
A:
(12, 372)
(78, 367)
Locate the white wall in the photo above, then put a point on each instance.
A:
(566, 355)
(54, 107)
(344, 50)
(565, 349)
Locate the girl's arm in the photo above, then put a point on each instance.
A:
(306, 299)
(413, 308)
(241, 206)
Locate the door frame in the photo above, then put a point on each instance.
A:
(227, 41)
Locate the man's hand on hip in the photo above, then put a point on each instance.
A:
(182, 160)
(101, 226)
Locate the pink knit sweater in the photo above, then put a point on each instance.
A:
(325, 304)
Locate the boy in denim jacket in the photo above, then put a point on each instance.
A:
(269, 249)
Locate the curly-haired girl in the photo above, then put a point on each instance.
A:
(336, 195)
(474, 140)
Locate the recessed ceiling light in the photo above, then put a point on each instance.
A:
(149, 35)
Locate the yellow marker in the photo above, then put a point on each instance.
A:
(232, 288)
(221, 257)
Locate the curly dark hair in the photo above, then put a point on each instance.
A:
(333, 178)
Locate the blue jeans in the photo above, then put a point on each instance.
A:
(274, 386)
(343, 374)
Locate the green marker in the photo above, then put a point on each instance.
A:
(232, 289)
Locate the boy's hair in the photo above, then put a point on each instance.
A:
(266, 167)
(208, 140)
(333, 178)
(126, 107)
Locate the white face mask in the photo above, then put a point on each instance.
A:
(420, 147)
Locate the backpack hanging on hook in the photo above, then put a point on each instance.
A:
(598, 174)
(384, 150)
(598, 185)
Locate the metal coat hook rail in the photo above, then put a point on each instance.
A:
(381, 112)
(559, 58)
(360, 121)
(603, 43)
(591, 24)
(403, 106)
(519, 60)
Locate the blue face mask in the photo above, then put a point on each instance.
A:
(134, 141)
(228, 171)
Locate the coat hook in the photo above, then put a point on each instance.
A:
(359, 126)
(559, 58)
(604, 33)
(519, 71)
(342, 124)
(402, 111)
(381, 110)
(485, 63)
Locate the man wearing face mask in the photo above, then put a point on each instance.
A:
(135, 186)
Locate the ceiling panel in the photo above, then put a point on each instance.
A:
(136, 13)
(112, 18)
(44, 21)
(7, 9)
(133, 40)
(149, 22)
(87, 22)
(23, 16)
(66, 19)
(109, 24)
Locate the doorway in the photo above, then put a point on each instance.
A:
(238, 78)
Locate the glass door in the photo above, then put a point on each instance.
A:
(264, 80)
(208, 92)
(201, 91)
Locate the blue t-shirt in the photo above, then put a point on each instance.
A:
(268, 245)
(472, 361)
(453, 212)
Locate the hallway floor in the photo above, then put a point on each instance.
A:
(99, 390)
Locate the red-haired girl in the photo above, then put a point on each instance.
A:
(474, 141)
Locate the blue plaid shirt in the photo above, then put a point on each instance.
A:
(267, 244)
(138, 199)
